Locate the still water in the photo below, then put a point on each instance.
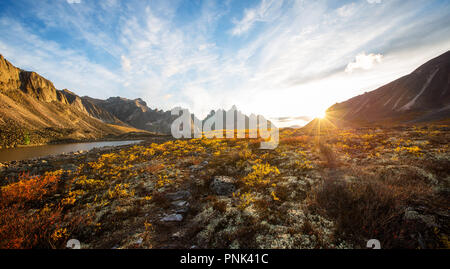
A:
(17, 154)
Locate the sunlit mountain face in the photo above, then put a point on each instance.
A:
(283, 59)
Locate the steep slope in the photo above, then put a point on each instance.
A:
(423, 95)
(33, 111)
(90, 108)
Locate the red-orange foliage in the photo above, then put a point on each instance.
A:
(20, 228)
(28, 188)
(21, 225)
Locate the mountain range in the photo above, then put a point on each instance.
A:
(33, 111)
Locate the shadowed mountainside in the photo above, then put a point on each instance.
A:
(421, 96)
(33, 111)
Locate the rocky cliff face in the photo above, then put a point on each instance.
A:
(9, 76)
(31, 83)
(423, 95)
(17, 84)
(40, 88)
(74, 100)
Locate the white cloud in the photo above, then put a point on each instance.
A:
(347, 10)
(363, 61)
(374, 1)
(206, 46)
(74, 1)
(66, 68)
(126, 63)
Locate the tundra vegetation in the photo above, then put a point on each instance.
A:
(317, 189)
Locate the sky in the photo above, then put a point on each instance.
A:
(288, 60)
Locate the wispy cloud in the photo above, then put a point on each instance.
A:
(74, 1)
(277, 58)
(265, 11)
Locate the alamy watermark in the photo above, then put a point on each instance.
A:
(373, 244)
(73, 244)
(232, 122)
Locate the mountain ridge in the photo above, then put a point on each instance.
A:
(422, 95)
(33, 111)
(30, 103)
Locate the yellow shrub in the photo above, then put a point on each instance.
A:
(261, 174)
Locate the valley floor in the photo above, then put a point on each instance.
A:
(329, 189)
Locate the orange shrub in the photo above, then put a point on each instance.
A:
(29, 225)
(20, 228)
(28, 188)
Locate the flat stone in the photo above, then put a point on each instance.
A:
(180, 203)
(182, 210)
(173, 217)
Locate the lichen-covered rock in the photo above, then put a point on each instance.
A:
(223, 185)
(412, 215)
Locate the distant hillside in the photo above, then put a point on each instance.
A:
(421, 96)
(33, 111)
(135, 113)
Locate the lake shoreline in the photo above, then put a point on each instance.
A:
(126, 136)
(66, 161)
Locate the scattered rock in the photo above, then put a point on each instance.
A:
(223, 185)
(176, 235)
(180, 203)
(411, 214)
(179, 195)
(173, 217)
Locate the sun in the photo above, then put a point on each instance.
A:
(321, 114)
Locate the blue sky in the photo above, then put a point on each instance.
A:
(278, 58)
